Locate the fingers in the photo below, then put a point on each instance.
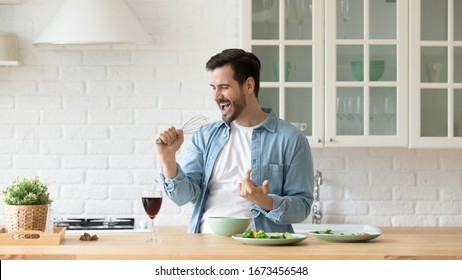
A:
(169, 135)
(249, 190)
(247, 175)
(265, 186)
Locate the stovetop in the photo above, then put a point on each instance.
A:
(96, 223)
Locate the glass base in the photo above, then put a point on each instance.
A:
(155, 240)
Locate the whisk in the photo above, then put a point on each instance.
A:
(190, 127)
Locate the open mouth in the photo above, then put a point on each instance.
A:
(224, 106)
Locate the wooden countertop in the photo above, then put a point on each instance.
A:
(394, 243)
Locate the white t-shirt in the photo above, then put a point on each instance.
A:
(229, 170)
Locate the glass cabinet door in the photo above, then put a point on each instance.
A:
(287, 36)
(366, 77)
(436, 78)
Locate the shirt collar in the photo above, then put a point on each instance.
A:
(269, 123)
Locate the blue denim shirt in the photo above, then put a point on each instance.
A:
(279, 153)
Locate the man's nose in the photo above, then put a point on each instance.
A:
(216, 94)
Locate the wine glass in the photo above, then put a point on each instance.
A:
(303, 9)
(152, 200)
(345, 10)
(267, 14)
(390, 108)
(340, 108)
(359, 107)
(348, 109)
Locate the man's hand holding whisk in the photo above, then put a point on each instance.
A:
(169, 141)
(169, 135)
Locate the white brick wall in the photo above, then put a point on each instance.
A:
(84, 118)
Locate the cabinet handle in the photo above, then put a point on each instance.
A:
(319, 140)
(331, 140)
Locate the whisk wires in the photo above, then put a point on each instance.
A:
(190, 127)
(193, 124)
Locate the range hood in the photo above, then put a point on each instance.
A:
(81, 22)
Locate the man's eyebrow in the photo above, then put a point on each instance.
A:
(220, 85)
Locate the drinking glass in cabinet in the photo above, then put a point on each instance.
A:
(345, 10)
(383, 111)
(434, 64)
(299, 13)
(265, 18)
(389, 108)
(350, 111)
(350, 19)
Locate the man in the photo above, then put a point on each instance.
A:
(250, 163)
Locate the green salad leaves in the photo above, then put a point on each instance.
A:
(263, 235)
(327, 231)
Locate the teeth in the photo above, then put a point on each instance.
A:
(224, 105)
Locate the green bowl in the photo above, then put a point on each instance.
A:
(376, 69)
(227, 226)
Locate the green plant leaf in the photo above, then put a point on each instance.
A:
(27, 191)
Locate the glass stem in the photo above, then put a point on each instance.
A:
(152, 230)
(265, 30)
(300, 30)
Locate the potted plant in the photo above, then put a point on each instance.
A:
(27, 201)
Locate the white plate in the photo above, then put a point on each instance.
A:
(346, 235)
(303, 228)
(268, 241)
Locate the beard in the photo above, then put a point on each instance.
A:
(235, 108)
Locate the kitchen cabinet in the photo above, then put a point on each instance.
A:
(366, 36)
(313, 55)
(287, 36)
(436, 75)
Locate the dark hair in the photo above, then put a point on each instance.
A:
(244, 64)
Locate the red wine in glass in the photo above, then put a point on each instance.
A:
(152, 205)
(152, 201)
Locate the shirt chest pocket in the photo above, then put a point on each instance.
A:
(275, 175)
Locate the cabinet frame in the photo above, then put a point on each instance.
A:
(401, 83)
(416, 140)
(324, 64)
(317, 43)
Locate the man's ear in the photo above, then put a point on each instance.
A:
(249, 85)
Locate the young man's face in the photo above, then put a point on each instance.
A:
(229, 96)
